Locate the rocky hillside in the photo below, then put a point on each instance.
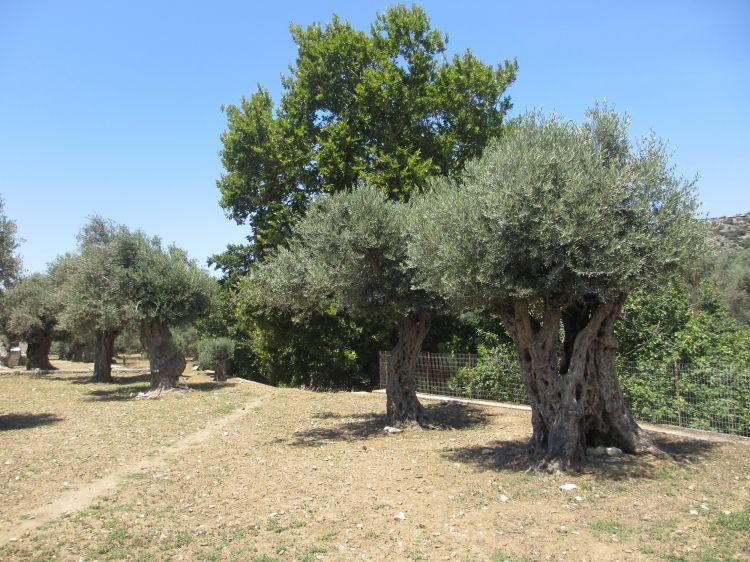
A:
(730, 233)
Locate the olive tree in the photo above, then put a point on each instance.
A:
(350, 251)
(29, 312)
(167, 289)
(551, 229)
(94, 290)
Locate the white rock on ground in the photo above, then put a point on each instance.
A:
(568, 487)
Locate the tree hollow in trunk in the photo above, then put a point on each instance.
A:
(402, 405)
(103, 352)
(575, 397)
(37, 353)
(166, 361)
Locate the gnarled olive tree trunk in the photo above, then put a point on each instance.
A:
(167, 362)
(37, 353)
(103, 351)
(575, 398)
(402, 405)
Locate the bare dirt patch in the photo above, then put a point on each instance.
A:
(311, 476)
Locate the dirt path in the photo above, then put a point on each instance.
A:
(77, 499)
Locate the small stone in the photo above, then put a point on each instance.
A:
(8, 462)
(725, 512)
(579, 499)
(704, 507)
(196, 367)
(360, 526)
(693, 512)
(400, 516)
(568, 487)
(225, 434)
(504, 499)
(613, 452)
(487, 451)
(596, 451)
(390, 430)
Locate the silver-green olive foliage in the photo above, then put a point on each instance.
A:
(10, 262)
(555, 211)
(120, 277)
(350, 250)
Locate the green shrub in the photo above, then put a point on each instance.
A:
(216, 354)
(495, 376)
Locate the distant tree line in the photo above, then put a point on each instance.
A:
(118, 282)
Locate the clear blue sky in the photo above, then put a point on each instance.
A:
(113, 107)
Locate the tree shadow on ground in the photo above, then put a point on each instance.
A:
(145, 377)
(119, 393)
(26, 421)
(513, 456)
(353, 427)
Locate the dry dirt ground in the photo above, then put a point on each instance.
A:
(240, 471)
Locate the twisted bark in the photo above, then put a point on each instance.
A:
(103, 352)
(575, 397)
(37, 353)
(402, 405)
(166, 361)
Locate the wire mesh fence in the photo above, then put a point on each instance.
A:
(714, 398)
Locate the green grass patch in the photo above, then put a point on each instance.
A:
(309, 554)
(178, 541)
(610, 527)
(224, 410)
(233, 534)
(274, 526)
(207, 556)
(657, 530)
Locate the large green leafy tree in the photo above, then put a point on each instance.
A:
(387, 107)
(551, 229)
(350, 250)
(29, 312)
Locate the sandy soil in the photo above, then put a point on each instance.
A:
(91, 473)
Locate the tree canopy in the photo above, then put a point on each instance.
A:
(387, 107)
